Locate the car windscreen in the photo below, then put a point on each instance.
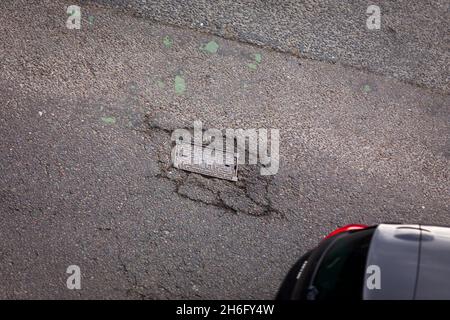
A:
(340, 272)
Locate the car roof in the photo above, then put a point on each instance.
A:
(413, 261)
(433, 280)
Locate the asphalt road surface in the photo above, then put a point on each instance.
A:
(85, 123)
(412, 43)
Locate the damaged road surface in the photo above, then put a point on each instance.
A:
(190, 157)
(85, 157)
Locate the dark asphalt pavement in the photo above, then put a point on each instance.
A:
(86, 179)
(412, 43)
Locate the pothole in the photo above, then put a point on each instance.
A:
(250, 195)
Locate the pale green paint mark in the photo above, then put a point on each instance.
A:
(210, 47)
(180, 85)
(109, 120)
(258, 57)
(168, 41)
(366, 88)
(252, 66)
(160, 84)
(91, 19)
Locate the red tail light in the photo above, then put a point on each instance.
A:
(348, 227)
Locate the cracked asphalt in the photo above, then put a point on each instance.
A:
(85, 123)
